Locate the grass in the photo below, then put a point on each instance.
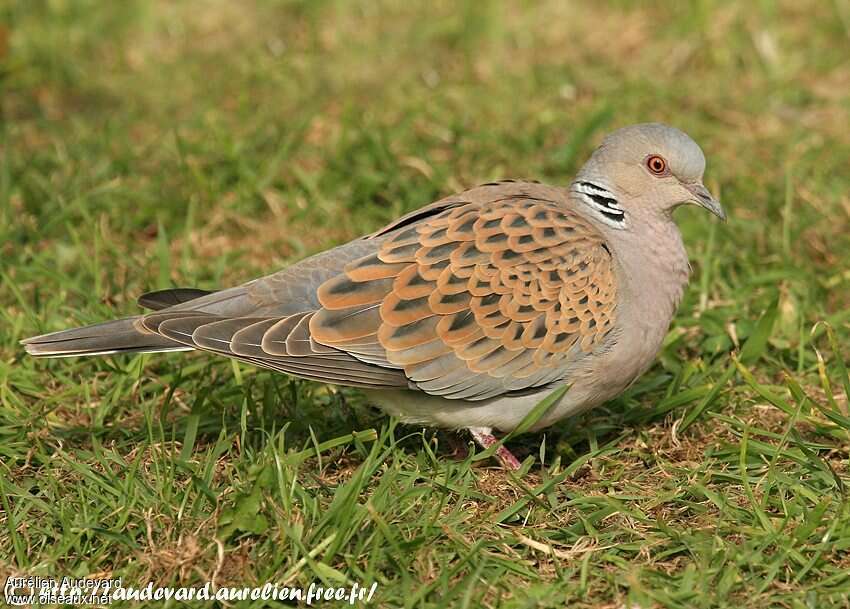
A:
(151, 144)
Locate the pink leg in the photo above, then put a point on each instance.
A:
(486, 439)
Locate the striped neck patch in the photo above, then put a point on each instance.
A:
(602, 201)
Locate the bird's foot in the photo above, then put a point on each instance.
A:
(485, 439)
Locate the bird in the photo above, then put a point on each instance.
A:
(464, 313)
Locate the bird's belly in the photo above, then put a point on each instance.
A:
(503, 413)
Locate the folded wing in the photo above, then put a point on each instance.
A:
(477, 300)
(465, 300)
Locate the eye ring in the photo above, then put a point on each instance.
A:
(656, 165)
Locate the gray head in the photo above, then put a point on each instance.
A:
(643, 172)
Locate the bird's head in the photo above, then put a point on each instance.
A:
(643, 171)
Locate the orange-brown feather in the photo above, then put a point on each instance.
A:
(477, 291)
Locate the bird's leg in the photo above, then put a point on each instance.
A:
(485, 439)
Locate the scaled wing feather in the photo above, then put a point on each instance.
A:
(484, 297)
(469, 298)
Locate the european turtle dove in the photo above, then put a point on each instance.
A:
(466, 312)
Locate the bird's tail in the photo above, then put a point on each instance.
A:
(117, 336)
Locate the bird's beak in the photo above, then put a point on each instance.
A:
(705, 199)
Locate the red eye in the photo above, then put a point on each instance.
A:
(656, 164)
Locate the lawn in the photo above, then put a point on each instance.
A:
(149, 144)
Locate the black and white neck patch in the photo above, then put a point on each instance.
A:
(602, 201)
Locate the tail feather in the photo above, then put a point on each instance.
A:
(117, 336)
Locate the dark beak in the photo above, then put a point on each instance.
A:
(703, 198)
